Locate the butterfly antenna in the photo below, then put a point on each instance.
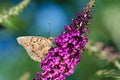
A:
(51, 38)
(49, 29)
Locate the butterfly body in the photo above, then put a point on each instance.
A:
(36, 47)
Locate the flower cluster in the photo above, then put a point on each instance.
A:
(61, 60)
(105, 52)
(14, 10)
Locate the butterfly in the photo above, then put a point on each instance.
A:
(36, 47)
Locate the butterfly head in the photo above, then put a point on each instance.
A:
(51, 38)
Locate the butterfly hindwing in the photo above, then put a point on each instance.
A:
(36, 47)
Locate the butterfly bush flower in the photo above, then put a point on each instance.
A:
(61, 60)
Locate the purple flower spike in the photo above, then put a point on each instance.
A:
(61, 60)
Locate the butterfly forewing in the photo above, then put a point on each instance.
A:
(36, 47)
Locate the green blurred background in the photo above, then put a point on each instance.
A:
(40, 16)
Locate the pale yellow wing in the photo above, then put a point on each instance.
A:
(36, 47)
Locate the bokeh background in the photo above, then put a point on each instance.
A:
(48, 17)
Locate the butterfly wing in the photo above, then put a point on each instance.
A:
(36, 47)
